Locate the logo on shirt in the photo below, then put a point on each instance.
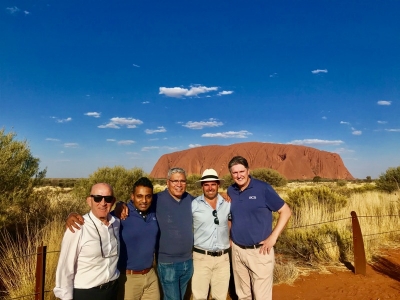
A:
(252, 197)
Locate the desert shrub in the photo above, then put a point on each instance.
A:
(317, 179)
(270, 176)
(192, 186)
(118, 177)
(228, 181)
(19, 175)
(389, 181)
(324, 243)
(368, 179)
(308, 196)
(341, 182)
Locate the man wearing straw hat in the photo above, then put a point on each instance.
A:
(211, 240)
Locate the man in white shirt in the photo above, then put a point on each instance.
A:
(87, 266)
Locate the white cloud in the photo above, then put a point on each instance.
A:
(145, 102)
(343, 150)
(357, 132)
(178, 92)
(71, 145)
(194, 145)
(64, 120)
(125, 142)
(324, 118)
(343, 122)
(225, 93)
(117, 122)
(316, 142)
(393, 130)
(111, 140)
(384, 102)
(26, 12)
(150, 148)
(242, 134)
(52, 140)
(13, 10)
(93, 114)
(151, 131)
(137, 66)
(170, 148)
(200, 125)
(319, 71)
(382, 122)
(273, 75)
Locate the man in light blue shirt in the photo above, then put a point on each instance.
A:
(211, 223)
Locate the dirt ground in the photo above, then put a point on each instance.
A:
(381, 282)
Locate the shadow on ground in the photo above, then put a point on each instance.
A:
(385, 266)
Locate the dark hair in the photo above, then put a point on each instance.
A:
(238, 160)
(143, 181)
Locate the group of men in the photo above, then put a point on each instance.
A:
(190, 237)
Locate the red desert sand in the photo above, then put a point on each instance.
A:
(381, 282)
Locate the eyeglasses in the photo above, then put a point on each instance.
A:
(98, 198)
(214, 213)
(175, 182)
(101, 244)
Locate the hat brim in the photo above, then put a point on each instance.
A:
(209, 179)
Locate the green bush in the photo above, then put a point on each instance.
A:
(19, 175)
(118, 177)
(317, 179)
(192, 186)
(309, 196)
(270, 176)
(341, 182)
(228, 181)
(389, 181)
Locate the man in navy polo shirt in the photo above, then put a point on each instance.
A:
(253, 202)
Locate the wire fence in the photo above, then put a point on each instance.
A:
(42, 251)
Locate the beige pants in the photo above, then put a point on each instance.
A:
(253, 273)
(209, 270)
(138, 286)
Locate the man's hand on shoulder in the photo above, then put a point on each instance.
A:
(74, 220)
(121, 210)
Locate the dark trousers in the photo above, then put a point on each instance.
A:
(97, 293)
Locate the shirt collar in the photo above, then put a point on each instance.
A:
(111, 219)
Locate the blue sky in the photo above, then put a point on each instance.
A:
(102, 83)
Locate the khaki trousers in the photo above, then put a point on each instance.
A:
(138, 286)
(253, 273)
(210, 270)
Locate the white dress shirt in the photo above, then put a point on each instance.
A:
(81, 263)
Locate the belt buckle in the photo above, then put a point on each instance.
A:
(216, 253)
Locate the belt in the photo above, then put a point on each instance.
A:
(145, 271)
(249, 247)
(212, 253)
(106, 286)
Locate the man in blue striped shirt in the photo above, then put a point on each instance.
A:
(211, 240)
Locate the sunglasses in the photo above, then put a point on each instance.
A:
(98, 198)
(214, 213)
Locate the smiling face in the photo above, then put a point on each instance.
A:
(102, 208)
(142, 197)
(177, 185)
(210, 189)
(240, 175)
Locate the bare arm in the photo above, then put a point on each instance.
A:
(269, 242)
(121, 210)
(74, 221)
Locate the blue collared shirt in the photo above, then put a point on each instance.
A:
(208, 235)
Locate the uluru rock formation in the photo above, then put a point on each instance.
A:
(292, 161)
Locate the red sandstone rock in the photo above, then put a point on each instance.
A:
(292, 161)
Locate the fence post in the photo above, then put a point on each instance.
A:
(360, 262)
(40, 272)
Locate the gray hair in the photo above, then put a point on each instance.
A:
(175, 170)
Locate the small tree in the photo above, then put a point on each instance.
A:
(118, 177)
(19, 174)
(389, 181)
(270, 176)
(368, 179)
(317, 179)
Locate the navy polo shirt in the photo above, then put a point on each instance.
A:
(251, 212)
(138, 238)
